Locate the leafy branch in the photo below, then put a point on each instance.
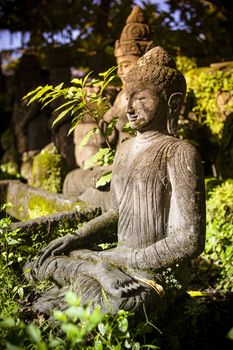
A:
(84, 97)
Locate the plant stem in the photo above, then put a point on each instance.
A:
(89, 111)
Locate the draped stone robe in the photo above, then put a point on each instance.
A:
(158, 193)
(158, 189)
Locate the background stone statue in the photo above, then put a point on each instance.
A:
(31, 125)
(158, 208)
(133, 43)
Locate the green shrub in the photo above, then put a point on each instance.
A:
(77, 328)
(204, 84)
(219, 240)
(185, 64)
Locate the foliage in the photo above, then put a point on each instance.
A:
(48, 170)
(85, 98)
(77, 327)
(190, 27)
(15, 247)
(80, 327)
(205, 85)
(13, 252)
(219, 242)
(199, 30)
(185, 64)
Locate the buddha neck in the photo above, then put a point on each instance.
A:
(148, 136)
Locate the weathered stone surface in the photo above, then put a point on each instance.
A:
(26, 199)
(49, 211)
(158, 208)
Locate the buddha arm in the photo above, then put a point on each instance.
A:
(100, 229)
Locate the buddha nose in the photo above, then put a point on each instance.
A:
(130, 109)
(119, 70)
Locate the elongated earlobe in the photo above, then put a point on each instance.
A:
(174, 105)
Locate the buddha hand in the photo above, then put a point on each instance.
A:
(59, 246)
(116, 282)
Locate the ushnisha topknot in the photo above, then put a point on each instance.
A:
(156, 68)
(157, 56)
(135, 36)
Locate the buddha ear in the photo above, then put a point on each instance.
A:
(175, 100)
(174, 104)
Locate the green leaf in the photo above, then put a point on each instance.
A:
(94, 160)
(34, 333)
(8, 323)
(96, 316)
(78, 107)
(55, 342)
(59, 315)
(39, 94)
(77, 81)
(32, 92)
(102, 329)
(59, 87)
(108, 72)
(12, 241)
(71, 330)
(64, 105)
(75, 122)
(123, 325)
(85, 78)
(196, 293)
(49, 100)
(75, 312)
(230, 334)
(20, 291)
(111, 126)
(72, 298)
(62, 115)
(98, 345)
(87, 136)
(106, 178)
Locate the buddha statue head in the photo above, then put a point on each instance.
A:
(133, 43)
(156, 90)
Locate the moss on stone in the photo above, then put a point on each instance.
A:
(48, 170)
(40, 206)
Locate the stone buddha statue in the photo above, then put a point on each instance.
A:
(133, 43)
(157, 215)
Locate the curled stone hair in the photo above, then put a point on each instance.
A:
(156, 68)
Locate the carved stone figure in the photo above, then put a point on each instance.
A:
(59, 70)
(30, 123)
(158, 208)
(133, 43)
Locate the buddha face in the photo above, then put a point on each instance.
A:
(125, 64)
(147, 110)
